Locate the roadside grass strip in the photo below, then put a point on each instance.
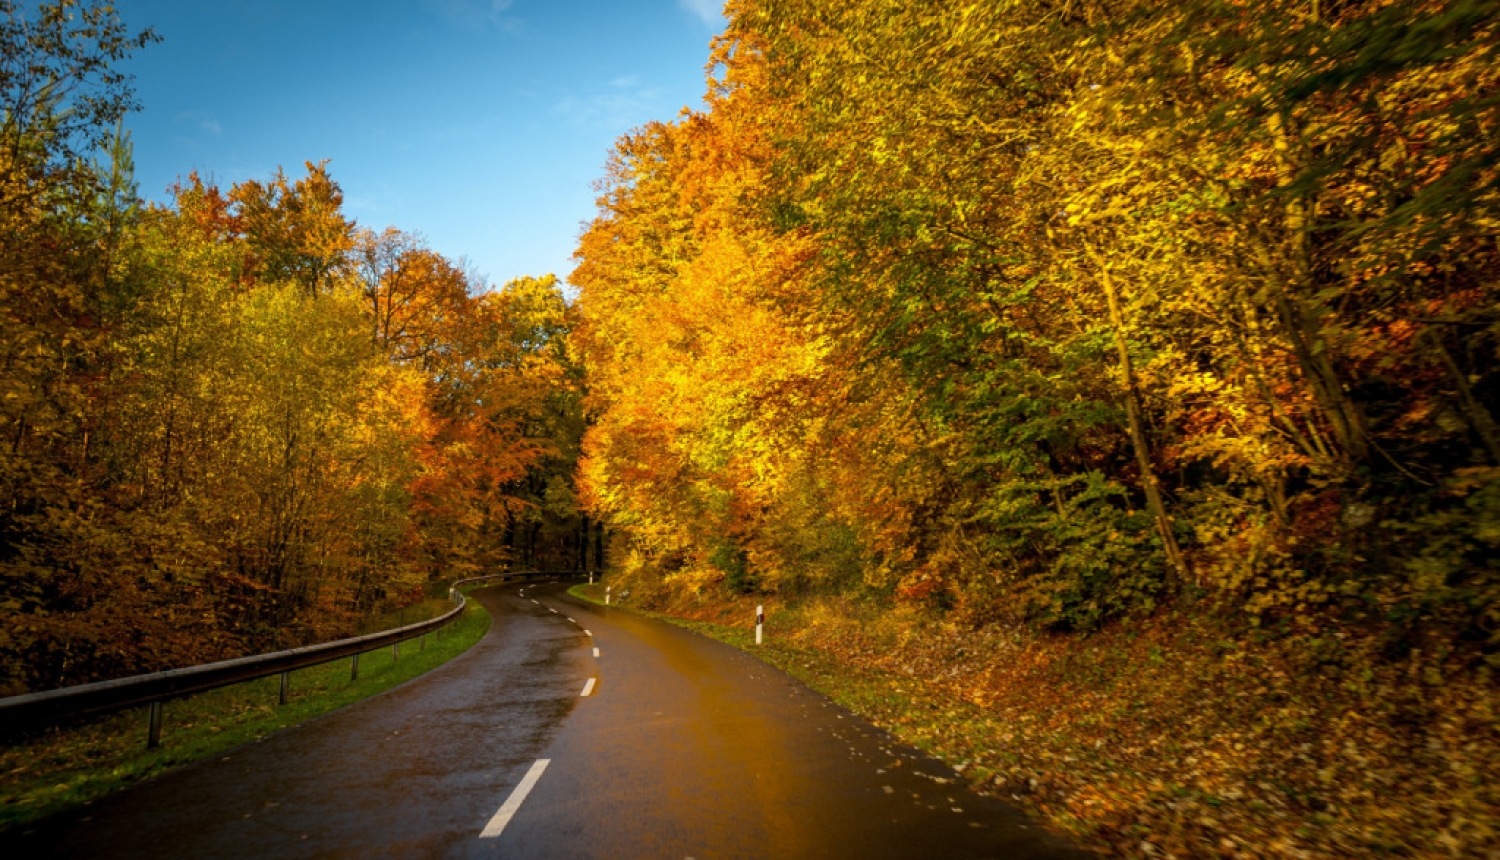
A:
(66, 767)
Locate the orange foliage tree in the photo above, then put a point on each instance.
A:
(1062, 311)
(238, 421)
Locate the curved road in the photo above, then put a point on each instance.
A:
(682, 748)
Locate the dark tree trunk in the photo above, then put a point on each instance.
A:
(583, 544)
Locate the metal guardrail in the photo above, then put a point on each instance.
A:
(35, 710)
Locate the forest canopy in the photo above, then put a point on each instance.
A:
(1049, 312)
(238, 420)
(1063, 312)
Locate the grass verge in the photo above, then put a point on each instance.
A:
(75, 765)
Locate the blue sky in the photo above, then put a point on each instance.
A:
(479, 123)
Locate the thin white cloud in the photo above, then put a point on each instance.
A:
(619, 109)
(477, 14)
(710, 12)
(370, 205)
(199, 121)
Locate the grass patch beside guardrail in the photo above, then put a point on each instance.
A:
(74, 765)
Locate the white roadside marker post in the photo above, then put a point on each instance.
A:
(760, 621)
(606, 594)
(591, 577)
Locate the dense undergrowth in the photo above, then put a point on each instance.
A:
(1176, 735)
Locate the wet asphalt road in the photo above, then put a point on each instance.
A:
(684, 748)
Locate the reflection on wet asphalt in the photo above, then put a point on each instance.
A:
(678, 747)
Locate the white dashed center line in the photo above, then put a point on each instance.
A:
(513, 803)
(587, 688)
(596, 652)
(587, 633)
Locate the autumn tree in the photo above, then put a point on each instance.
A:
(1105, 321)
(295, 231)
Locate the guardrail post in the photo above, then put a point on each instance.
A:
(424, 643)
(153, 726)
(395, 651)
(354, 668)
(286, 686)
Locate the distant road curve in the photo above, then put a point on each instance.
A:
(569, 731)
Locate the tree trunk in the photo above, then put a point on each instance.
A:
(583, 544)
(510, 539)
(1480, 419)
(1175, 561)
(1301, 324)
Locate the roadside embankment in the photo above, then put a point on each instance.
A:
(1170, 736)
